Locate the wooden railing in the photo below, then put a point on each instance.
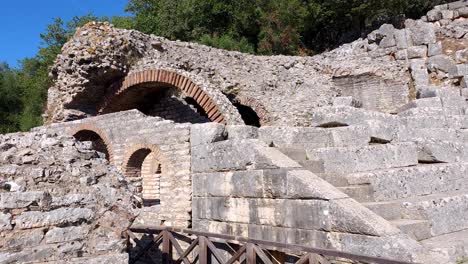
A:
(156, 244)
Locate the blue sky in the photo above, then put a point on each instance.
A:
(21, 22)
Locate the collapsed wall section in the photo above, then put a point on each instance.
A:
(60, 202)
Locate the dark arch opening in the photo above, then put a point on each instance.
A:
(249, 116)
(97, 143)
(155, 99)
(143, 170)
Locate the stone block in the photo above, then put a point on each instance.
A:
(59, 216)
(436, 208)
(417, 52)
(206, 133)
(403, 39)
(238, 155)
(241, 132)
(301, 214)
(461, 56)
(408, 134)
(5, 221)
(22, 239)
(434, 15)
(447, 14)
(457, 4)
(459, 70)
(463, 12)
(374, 157)
(434, 49)
(66, 234)
(15, 200)
(434, 151)
(423, 33)
(401, 55)
(346, 116)
(310, 137)
(440, 63)
(421, 180)
(295, 184)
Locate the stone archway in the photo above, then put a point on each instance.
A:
(97, 138)
(141, 84)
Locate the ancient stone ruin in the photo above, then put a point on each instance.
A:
(363, 149)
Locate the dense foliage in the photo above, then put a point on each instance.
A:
(293, 27)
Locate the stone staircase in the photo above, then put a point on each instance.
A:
(410, 168)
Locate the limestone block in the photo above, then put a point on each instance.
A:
(335, 116)
(440, 63)
(434, 49)
(312, 137)
(66, 234)
(410, 134)
(238, 155)
(461, 56)
(401, 55)
(206, 133)
(434, 15)
(399, 183)
(441, 151)
(59, 216)
(447, 14)
(457, 4)
(5, 221)
(403, 39)
(417, 52)
(14, 200)
(343, 215)
(464, 82)
(423, 102)
(241, 132)
(22, 239)
(374, 157)
(423, 33)
(295, 184)
(459, 70)
(436, 208)
(463, 12)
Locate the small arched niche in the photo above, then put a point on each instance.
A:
(145, 170)
(97, 142)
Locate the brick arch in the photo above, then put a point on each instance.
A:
(93, 128)
(135, 161)
(172, 79)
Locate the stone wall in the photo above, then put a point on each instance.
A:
(243, 187)
(60, 202)
(125, 133)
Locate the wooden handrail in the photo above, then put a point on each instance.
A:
(256, 245)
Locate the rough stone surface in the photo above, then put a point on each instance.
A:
(33, 226)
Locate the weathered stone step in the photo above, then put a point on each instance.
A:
(416, 229)
(407, 182)
(366, 158)
(446, 212)
(314, 137)
(447, 247)
(360, 193)
(346, 115)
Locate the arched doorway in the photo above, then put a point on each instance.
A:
(166, 94)
(98, 142)
(144, 169)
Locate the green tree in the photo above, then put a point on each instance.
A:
(10, 100)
